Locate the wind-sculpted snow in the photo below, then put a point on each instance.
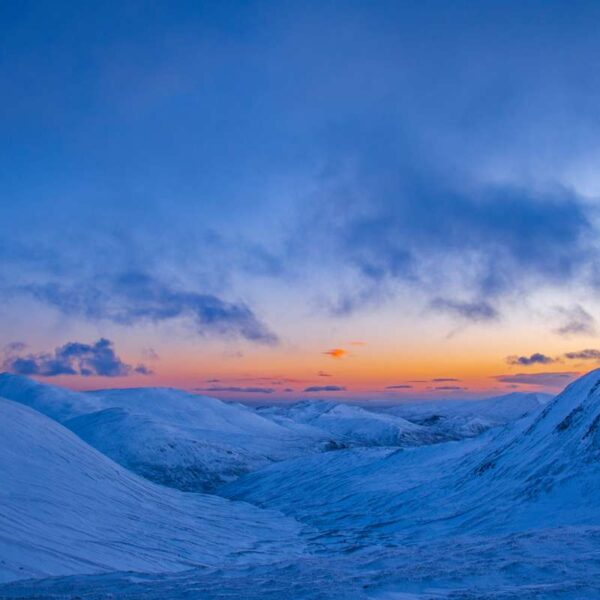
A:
(65, 508)
(559, 564)
(178, 439)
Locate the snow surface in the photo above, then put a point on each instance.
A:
(65, 508)
(353, 425)
(465, 418)
(169, 436)
(512, 513)
(543, 470)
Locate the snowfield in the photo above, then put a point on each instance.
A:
(353, 425)
(65, 508)
(182, 440)
(459, 419)
(511, 513)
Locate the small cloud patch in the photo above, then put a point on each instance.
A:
(550, 379)
(241, 390)
(536, 358)
(450, 388)
(588, 354)
(576, 321)
(469, 311)
(325, 388)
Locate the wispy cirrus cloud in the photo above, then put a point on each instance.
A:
(450, 388)
(325, 388)
(550, 379)
(73, 358)
(479, 311)
(236, 389)
(587, 354)
(401, 386)
(575, 321)
(150, 354)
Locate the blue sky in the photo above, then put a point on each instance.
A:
(238, 187)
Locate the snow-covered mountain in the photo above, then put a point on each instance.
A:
(57, 403)
(352, 425)
(65, 508)
(178, 439)
(502, 515)
(543, 470)
(465, 418)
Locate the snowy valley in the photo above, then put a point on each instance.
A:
(159, 493)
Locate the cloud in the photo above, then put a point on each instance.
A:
(469, 311)
(416, 189)
(15, 347)
(135, 297)
(412, 223)
(150, 354)
(323, 374)
(403, 386)
(576, 321)
(588, 354)
(336, 352)
(325, 388)
(74, 358)
(535, 359)
(541, 359)
(551, 379)
(242, 390)
(449, 388)
(442, 379)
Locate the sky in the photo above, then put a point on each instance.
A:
(266, 201)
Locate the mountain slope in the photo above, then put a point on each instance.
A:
(65, 508)
(178, 439)
(511, 514)
(353, 425)
(55, 402)
(466, 418)
(542, 471)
